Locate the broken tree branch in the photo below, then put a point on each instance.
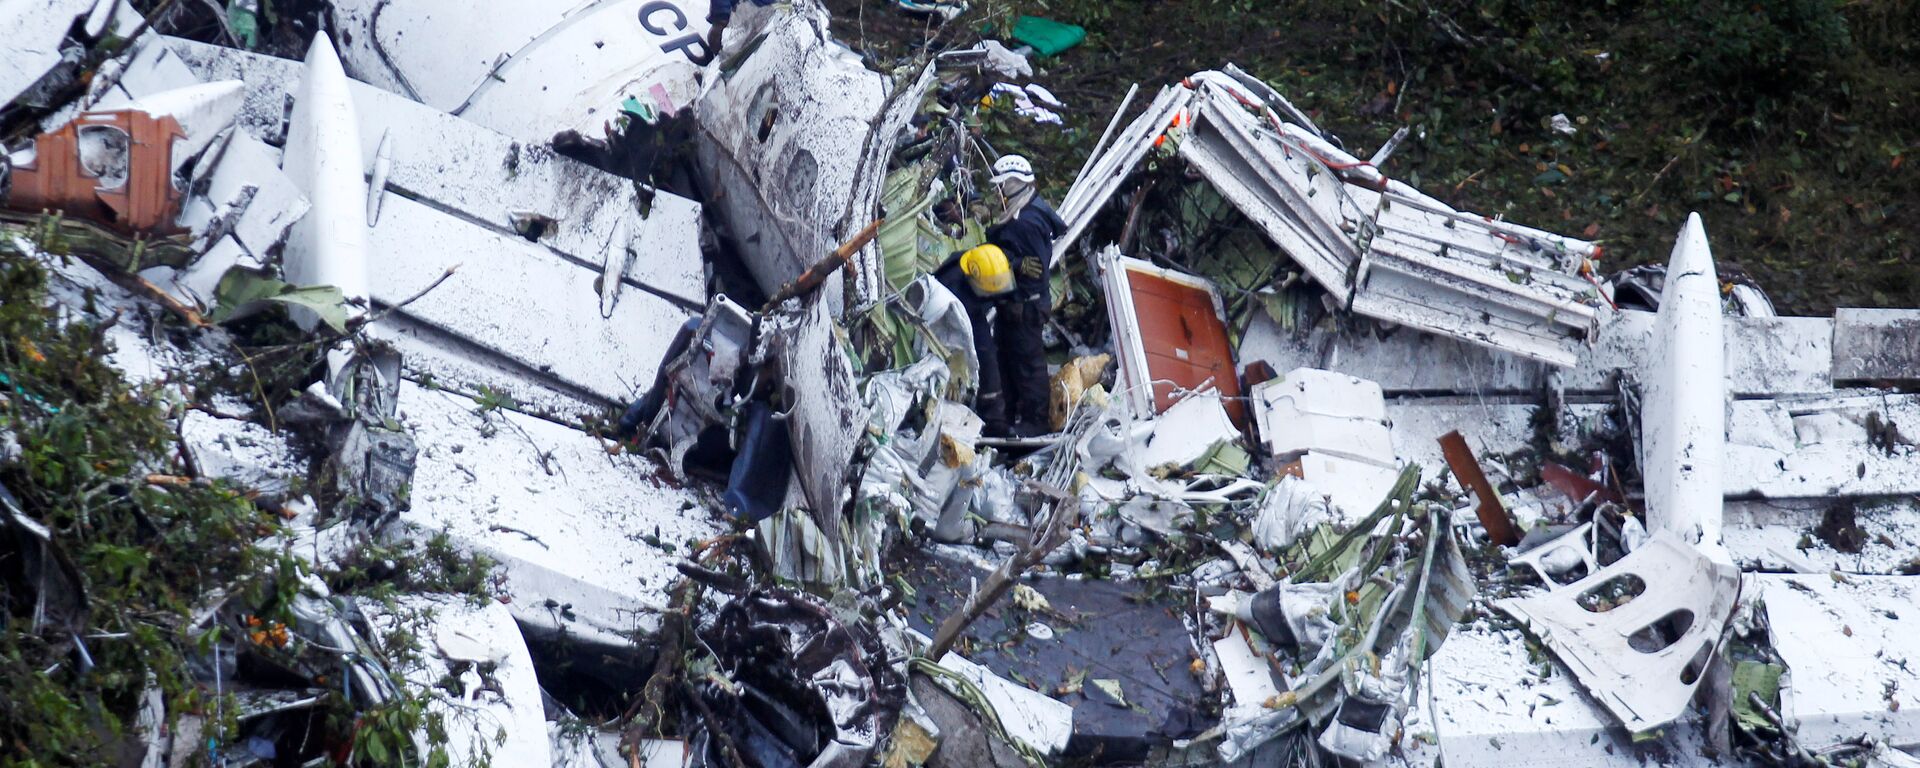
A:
(817, 274)
(714, 725)
(1002, 579)
(382, 314)
(647, 716)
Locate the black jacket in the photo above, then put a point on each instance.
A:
(1030, 235)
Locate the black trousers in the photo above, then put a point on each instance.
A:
(1023, 360)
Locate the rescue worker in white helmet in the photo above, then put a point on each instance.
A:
(1025, 231)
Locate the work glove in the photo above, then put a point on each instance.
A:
(1032, 268)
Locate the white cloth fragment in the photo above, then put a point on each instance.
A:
(1291, 508)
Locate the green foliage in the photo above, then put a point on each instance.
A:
(86, 440)
(150, 553)
(1760, 56)
(1785, 123)
(436, 565)
(240, 288)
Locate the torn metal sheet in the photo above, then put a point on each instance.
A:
(202, 110)
(1765, 357)
(499, 63)
(483, 176)
(1877, 345)
(1249, 677)
(238, 190)
(817, 380)
(1169, 336)
(1323, 411)
(806, 685)
(702, 384)
(1683, 413)
(1184, 433)
(329, 246)
(1848, 646)
(795, 133)
(147, 68)
(1491, 509)
(1289, 195)
(36, 32)
(586, 541)
(1036, 720)
(1354, 487)
(1640, 633)
(1105, 173)
(481, 676)
(1377, 247)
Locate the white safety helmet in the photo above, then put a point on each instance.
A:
(1012, 168)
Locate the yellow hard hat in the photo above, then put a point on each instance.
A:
(987, 270)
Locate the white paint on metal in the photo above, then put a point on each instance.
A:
(567, 522)
(1763, 357)
(521, 301)
(1034, 718)
(1249, 677)
(1106, 173)
(1621, 661)
(203, 111)
(1133, 383)
(529, 70)
(619, 255)
(481, 175)
(1354, 487)
(1849, 650)
(377, 177)
(1683, 413)
(789, 136)
(328, 246)
(493, 704)
(1185, 432)
(1879, 345)
(1771, 535)
(1495, 706)
(1822, 447)
(1377, 248)
(1322, 411)
(243, 192)
(34, 31)
(819, 383)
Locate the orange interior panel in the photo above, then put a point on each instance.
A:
(1185, 341)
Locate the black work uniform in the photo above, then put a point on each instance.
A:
(1023, 354)
(991, 402)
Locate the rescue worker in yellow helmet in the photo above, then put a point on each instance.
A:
(983, 280)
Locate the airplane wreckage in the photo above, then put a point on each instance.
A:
(1337, 473)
